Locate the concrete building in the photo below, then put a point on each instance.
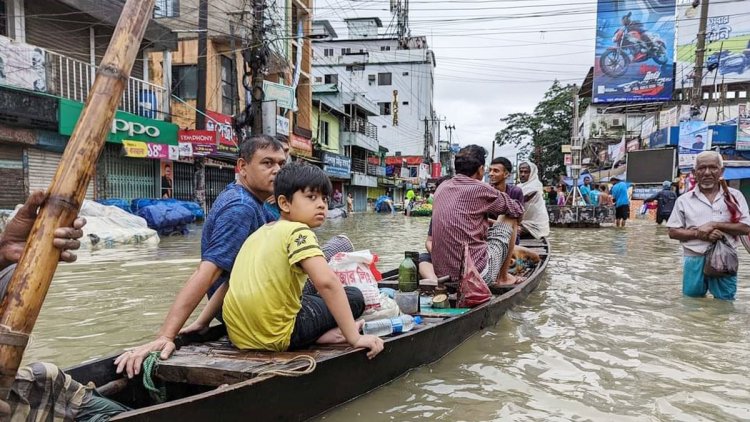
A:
(398, 76)
(49, 50)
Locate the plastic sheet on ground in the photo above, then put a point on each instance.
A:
(110, 226)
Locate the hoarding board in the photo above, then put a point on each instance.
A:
(651, 166)
(727, 58)
(634, 50)
(695, 137)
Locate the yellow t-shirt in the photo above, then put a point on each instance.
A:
(266, 286)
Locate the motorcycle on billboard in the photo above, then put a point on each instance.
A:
(634, 50)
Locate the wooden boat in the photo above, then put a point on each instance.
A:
(214, 381)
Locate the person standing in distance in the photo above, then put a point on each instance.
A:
(621, 198)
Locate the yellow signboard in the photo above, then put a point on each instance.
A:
(135, 149)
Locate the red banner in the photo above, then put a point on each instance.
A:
(301, 145)
(437, 170)
(203, 141)
(222, 124)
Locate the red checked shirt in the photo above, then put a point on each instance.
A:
(459, 216)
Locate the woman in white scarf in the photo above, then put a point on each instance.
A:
(535, 219)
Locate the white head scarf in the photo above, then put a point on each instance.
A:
(535, 218)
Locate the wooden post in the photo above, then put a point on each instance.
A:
(28, 288)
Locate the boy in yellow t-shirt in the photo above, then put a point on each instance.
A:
(264, 307)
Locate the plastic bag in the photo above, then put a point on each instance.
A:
(721, 259)
(388, 309)
(353, 269)
(472, 290)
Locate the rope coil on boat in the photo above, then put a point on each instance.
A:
(159, 394)
(304, 370)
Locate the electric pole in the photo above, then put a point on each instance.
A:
(199, 174)
(451, 168)
(427, 158)
(697, 93)
(200, 109)
(257, 63)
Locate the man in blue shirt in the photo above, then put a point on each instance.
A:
(586, 190)
(594, 196)
(619, 194)
(237, 213)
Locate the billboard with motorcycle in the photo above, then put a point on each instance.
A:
(727, 56)
(634, 50)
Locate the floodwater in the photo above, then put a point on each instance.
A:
(607, 336)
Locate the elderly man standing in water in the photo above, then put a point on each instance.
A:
(702, 217)
(535, 218)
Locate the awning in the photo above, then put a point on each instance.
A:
(736, 173)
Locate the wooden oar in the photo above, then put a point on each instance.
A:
(28, 288)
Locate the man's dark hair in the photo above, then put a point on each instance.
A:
(251, 145)
(469, 159)
(299, 177)
(503, 162)
(441, 180)
(699, 136)
(603, 188)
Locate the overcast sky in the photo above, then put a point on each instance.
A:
(493, 57)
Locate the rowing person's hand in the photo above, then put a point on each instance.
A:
(132, 360)
(373, 343)
(13, 238)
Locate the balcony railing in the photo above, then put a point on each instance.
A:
(72, 79)
(359, 165)
(361, 126)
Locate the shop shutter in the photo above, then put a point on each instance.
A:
(360, 198)
(217, 178)
(13, 191)
(42, 168)
(126, 178)
(183, 184)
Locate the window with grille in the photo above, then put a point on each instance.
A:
(385, 109)
(185, 82)
(3, 19)
(228, 85)
(345, 51)
(328, 52)
(167, 9)
(385, 48)
(384, 78)
(323, 133)
(331, 79)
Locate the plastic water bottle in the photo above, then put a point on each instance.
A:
(385, 327)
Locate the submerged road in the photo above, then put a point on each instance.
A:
(607, 336)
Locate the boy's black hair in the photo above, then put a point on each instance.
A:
(298, 177)
(251, 145)
(503, 162)
(469, 159)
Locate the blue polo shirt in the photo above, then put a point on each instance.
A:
(235, 215)
(585, 192)
(620, 194)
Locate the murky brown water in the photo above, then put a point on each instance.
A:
(607, 336)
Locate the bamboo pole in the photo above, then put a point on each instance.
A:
(28, 288)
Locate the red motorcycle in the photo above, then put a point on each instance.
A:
(631, 46)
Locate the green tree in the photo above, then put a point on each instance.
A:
(538, 135)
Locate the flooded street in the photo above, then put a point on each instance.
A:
(607, 336)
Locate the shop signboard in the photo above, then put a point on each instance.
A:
(337, 165)
(185, 150)
(727, 59)
(695, 137)
(125, 126)
(634, 51)
(138, 149)
(203, 141)
(282, 94)
(568, 159)
(222, 125)
(437, 170)
(301, 145)
(282, 126)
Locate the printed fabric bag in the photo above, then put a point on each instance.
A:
(721, 259)
(353, 269)
(472, 290)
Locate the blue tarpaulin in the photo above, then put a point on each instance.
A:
(736, 173)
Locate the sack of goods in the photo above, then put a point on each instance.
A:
(353, 269)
